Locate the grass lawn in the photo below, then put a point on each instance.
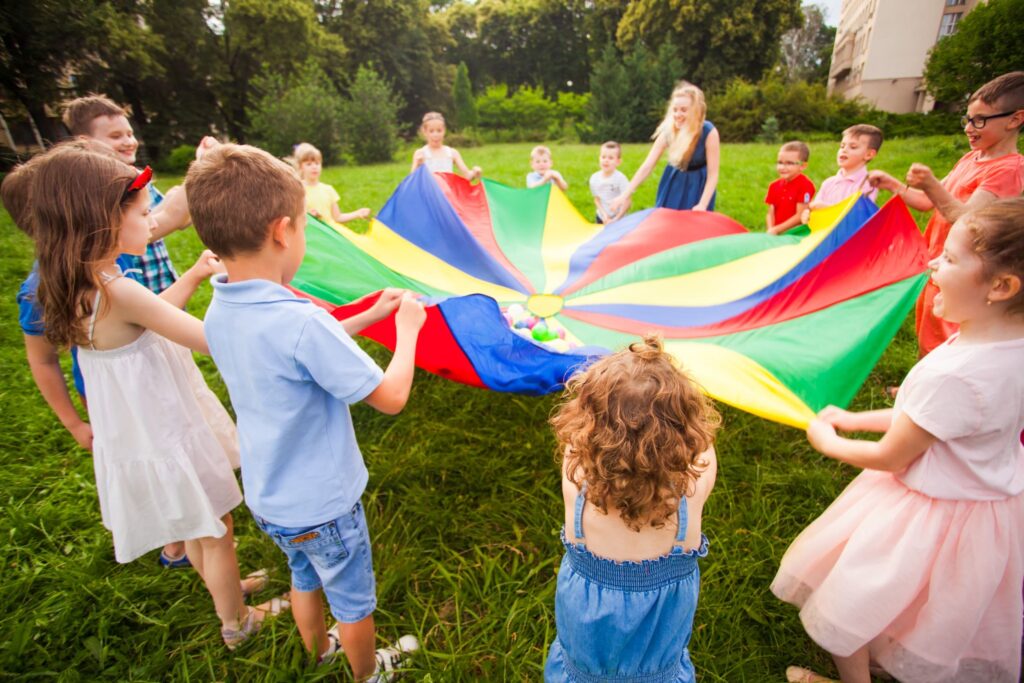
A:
(463, 504)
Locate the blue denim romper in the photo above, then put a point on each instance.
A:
(624, 621)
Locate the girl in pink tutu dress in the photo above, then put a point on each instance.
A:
(917, 567)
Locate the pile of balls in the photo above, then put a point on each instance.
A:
(547, 332)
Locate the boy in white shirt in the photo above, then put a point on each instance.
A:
(608, 183)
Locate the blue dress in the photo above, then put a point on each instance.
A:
(679, 189)
(624, 621)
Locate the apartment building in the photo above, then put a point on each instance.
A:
(882, 45)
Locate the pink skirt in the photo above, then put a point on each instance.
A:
(931, 586)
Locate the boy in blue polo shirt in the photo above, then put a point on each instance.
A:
(292, 370)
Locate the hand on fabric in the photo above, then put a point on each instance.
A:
(883, 181)
(386, 303)
(475, 173)
(838, 418)
(700, 207)
(411, 314)
(362, 213)
(820, 433)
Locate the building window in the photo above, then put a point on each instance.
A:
(949, 22)
(955, 3)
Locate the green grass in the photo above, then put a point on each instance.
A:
(463, 503)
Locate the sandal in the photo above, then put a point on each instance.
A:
(256, 581)
(253, 620)
(798, 674)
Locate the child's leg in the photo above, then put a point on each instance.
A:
(308, 610)
(357, 640)
(855, 668)
(218, 567)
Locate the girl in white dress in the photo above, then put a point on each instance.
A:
(437, 156)
(164, 448)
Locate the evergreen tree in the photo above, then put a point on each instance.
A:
(371, 118)
(609, 97)
(465, 105)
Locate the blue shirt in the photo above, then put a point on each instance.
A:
(291, 371)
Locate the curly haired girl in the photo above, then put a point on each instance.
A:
(636, 439)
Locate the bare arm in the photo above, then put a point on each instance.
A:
(902, 444)
(921, 177)
(557, 178)
(915, 199)
(617, 207)
(44, 363)
(387, 302)
(867, 421)
(137, 305)
(769, 220)
(470, 173)
(392, 393)
(172, 213)
(343, 217)
(713, 149)
(417, 159)
(184, 287)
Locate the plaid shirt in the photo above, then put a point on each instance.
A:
(156, 271)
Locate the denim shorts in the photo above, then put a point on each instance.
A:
(334, 556)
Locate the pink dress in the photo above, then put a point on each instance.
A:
(926, 566)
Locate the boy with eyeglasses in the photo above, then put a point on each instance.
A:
(992, 170)
(789, 195)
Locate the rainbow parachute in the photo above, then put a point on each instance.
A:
(779, 326)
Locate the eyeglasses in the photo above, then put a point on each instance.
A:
(780, 162)
(979, 121)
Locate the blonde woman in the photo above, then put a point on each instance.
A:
(691, 175)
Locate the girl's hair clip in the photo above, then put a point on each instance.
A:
(141, 180)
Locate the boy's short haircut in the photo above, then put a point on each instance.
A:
(14, 192)
(1007, 89)
(612, 146)
(539, 150)
(234, 193)
(81, 112)
(801, 149)
(872, 133)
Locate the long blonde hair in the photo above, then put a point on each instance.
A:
(682, 142)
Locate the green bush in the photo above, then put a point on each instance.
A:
(305, 108)
(178, 160)
(741, 112)
(371, 118)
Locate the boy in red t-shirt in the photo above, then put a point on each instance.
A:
(791, 193)
(993, 169)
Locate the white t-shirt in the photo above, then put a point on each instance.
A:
(971, 397)
(606, 188)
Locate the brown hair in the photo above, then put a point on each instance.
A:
(612, 145)
(80, 113)
(998, 232)
(872, 133)
(234, 193)
(801, 149)
(632, 427)
(14, 192)
(1008, 88)
(76, 229)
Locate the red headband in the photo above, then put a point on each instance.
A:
(141, 180)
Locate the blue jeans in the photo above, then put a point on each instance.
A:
(334, 556)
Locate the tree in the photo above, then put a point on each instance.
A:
(465, 107)
(403, 39)
(629, 93)
(987, 44)
(305, 108)
(807, 51)
(39, 42)
(714, 40)
(371, 117)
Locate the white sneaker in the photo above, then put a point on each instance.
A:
(333, 652)
(391, 659)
